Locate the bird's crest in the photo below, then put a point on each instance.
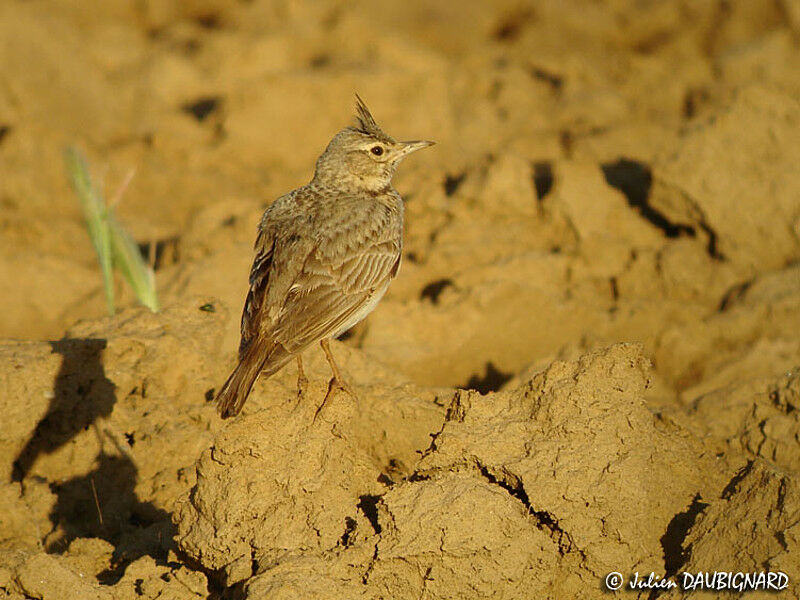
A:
(366, 122)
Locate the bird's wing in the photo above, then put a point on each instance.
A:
(279, 254)
(327, 296)
(315, 270)
(259, 279)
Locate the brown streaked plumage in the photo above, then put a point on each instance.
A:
(324, 255)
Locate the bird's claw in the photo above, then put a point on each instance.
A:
(335, 385)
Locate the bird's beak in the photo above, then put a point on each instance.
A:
(406, 148)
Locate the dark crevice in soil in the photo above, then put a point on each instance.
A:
(368, 504)
(712, 247)
(349, 528)
(457, 409)
(394, 470)
(781, 400)
(675, 556)
(4, 130)
(215, 578)
(734, 482)
(545, 520)
(201, 108)
(781, 537)
(542, 179)
(733, 294)
(434, 289)
(554, 81)
(365, 576)
(492, 381)
(161, 253)
(417, 475)
(452, 183)
(781, 502)
(254, 567)
(634, 179)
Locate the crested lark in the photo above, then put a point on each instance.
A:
(324, 256)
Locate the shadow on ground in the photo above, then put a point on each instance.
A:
(102, 503)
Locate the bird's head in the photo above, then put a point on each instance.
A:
(363, 157)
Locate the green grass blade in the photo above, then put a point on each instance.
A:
(128, 259)
(95, 214)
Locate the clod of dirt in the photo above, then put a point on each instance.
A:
(754, 528)
(272, 483)
(460, 534)
(47, 577)
(749, 217)
(759, 418)
(581, 452)
(757, 320)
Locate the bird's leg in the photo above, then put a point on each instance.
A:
(337, 382)
(302, 380)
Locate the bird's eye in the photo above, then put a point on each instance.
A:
(376, 150)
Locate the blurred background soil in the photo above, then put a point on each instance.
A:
(589, 361)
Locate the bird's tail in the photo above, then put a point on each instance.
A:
(261, 357)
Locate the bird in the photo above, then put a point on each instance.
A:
(325, 254)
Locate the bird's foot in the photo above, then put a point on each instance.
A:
(302, 380)
(336, 384)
